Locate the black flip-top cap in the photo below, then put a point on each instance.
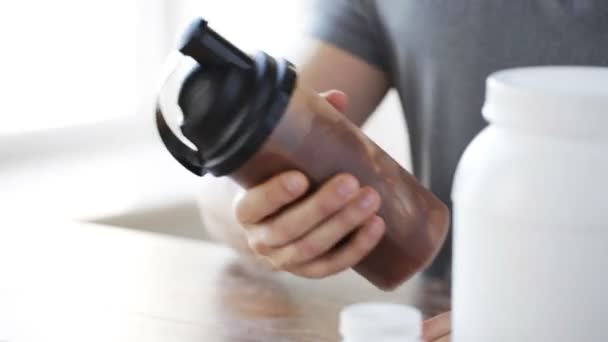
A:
(210, 49)
(230, 102)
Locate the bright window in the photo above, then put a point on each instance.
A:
(65, 62)
(69, 62)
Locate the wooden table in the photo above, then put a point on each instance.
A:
(84, 282)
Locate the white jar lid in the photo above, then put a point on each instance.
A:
(375, 320)
(551, 99)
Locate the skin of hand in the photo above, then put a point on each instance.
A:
(304, 232)
(438, 328)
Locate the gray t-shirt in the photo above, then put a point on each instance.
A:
(439, 52)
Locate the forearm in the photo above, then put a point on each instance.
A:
(325, 67)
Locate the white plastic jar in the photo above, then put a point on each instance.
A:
(380, 322)
(531, 211)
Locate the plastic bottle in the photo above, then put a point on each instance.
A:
(248, 118)
(530, 218)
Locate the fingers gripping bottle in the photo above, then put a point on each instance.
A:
(248, 118)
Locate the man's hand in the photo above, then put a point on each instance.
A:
(438, 328)
(298, 232)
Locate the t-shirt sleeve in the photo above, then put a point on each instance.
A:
(351, 25)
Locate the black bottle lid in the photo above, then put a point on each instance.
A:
(230, 101)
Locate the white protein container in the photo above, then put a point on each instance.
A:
(380, 322)
(530, 202)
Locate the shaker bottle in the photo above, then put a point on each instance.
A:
(248, 118)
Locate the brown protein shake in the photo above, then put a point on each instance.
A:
(249, 119)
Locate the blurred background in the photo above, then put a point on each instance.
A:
(77, 139)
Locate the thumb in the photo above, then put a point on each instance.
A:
(336, 98)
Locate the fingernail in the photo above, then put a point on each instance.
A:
(367, 201)
(346, 187)
(295, 184)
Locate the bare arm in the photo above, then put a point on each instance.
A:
(327, 67)
(324, 67)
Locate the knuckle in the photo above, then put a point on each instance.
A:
(306, 250)
(258, 247)
(285, 259)
(279, 232)
(351, 217)
(325, 205)
(273, 197)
